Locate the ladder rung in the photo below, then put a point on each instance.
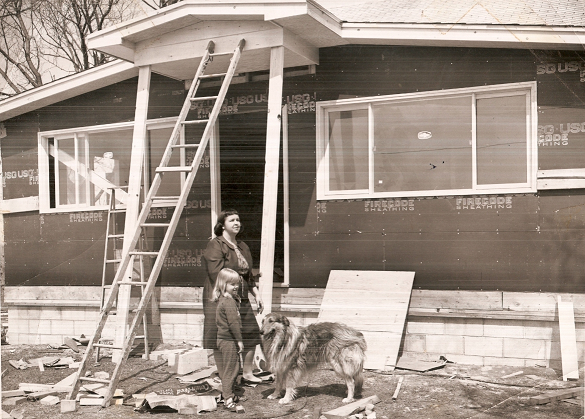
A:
(195, 99)
(106, 345)
(185, 146)
(139, 337)
(115, 236)
(117, 211)
(113, 260)
(154, 225)
(211, 76)
(195, 121)
(143, 254)
(217, 54)
(132, 283)
(164, 198)
(174, 169)
(94, 380)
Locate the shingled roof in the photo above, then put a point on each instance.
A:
(570, 13)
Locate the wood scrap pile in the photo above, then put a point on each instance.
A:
(564, 394)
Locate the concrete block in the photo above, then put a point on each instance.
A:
(484, 346)
(44, 327)
(508, 362)
(68, 406)
(84, 327)
(14, 401)
(50, 339)
(426, 326)
(445, 344)
(414, 343)
(63, 327)
(73, 313)
(33, 313)
(177, 317)
(190, 361)
(502, 328)
(464, 327)
(526, 348)
(538, 330)
(462, 359)
(50, 401)
(51, 313)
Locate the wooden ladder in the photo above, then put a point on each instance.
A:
(113, 241)
(129, 256)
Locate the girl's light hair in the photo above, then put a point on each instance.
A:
(224, 277)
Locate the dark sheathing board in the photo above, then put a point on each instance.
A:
(522, 242)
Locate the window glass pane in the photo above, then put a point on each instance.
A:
(109, 160)
(67, 169)
(171, 182)
(501, 140)
(348, 150)
(423, 145)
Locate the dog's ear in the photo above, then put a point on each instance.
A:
(285, 321)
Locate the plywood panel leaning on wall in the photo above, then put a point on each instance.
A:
(373, 302)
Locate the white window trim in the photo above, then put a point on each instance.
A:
(499, 90)
(44, 152)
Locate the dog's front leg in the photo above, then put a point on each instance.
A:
(289, 396)
(277, 390)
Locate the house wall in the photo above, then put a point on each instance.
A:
(523, 243)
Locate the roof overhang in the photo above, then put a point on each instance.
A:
(172, 40)
(66, 88)
(460, 35)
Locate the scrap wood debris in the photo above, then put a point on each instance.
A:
(352, 410)
(554, 395)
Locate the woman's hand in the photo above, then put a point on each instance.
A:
(259, 303)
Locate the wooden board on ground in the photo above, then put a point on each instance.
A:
(551, 396)
(373, 302)
(416, 365)
(569, 357)
(351, 408)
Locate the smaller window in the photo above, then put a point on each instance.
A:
(460, 141)
(78, 167)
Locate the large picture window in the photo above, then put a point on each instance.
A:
(460, 141)
(78, 167)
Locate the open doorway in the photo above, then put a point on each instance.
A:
(242, 151)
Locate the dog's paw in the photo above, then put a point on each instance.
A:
(348, 400)
(273, 396)
(285, 400)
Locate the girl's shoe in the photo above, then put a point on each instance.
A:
(230, 405)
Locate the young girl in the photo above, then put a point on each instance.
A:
(229, 333)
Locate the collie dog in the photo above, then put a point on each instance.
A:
(292, 352)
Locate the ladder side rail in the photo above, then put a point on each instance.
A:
(173, 224)
(83, 366)
(186, 105)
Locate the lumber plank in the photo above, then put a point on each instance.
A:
(12, 393)
(457, 300)
(569, 356)
(373, 302)
(351, 408)
(551, 396)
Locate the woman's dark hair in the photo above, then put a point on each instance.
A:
(218, 229)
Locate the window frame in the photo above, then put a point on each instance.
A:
(480, 92)
(83, 132)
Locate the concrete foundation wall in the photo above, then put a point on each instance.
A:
(481, 337)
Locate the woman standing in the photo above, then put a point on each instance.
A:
(224, 251)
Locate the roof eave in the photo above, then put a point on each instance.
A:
(487, 36)
(66, 88)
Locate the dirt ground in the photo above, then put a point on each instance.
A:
(453, 391)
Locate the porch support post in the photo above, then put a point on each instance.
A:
(273, 126)
(133, 205)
